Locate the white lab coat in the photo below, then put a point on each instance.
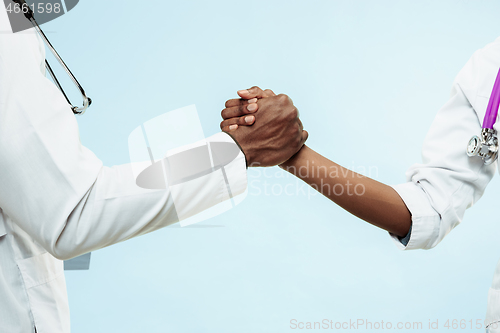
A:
(448, 181)
(57, 201)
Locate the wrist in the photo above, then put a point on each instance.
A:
(239, 146)
(295, 159)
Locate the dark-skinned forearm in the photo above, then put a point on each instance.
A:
(366, 198)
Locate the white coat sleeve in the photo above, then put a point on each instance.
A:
(440, 189)
(57, 190)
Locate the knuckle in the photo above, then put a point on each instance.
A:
(228, 102)
(282, 98)
(292, 133)
(292, 114)
(223, 113)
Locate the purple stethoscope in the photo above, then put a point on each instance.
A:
(486, 146)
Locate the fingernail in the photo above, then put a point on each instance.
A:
(249, 119)
(233, 127)
(244, 91)
(253, 100)
(252, 107)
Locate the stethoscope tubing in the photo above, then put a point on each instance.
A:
(86, 100)
(491, 114)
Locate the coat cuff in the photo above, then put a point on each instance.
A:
(425, 220)
(236, 171)
(218, 177)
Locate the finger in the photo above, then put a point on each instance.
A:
(238, 101)
(241, 121)
(239, 111)
(254, 92)
(229, 128)
(242, 101)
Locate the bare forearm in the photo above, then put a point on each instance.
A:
(364, 197)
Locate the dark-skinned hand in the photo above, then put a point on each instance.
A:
(273, 131)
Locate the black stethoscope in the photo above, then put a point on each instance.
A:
(486, 145)
(28, 13)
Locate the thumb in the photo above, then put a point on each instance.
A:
(254, 92)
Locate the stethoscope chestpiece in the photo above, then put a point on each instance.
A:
(485, 146)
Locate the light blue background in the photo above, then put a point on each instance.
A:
(368, 77)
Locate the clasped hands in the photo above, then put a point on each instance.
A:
(266, 126)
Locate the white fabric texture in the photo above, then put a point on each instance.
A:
(57, 200)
